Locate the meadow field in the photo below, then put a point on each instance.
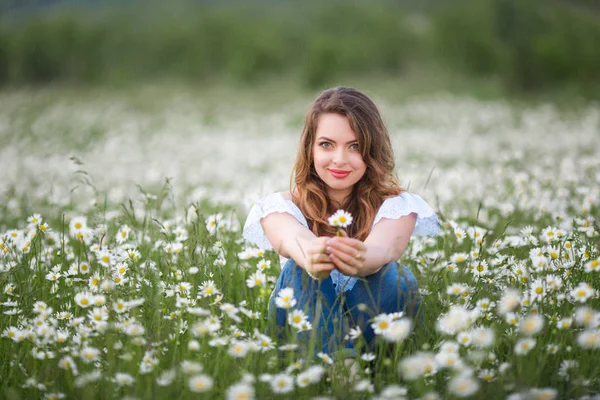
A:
(124, 274)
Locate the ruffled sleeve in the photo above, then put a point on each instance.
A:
(405, 204)
(273, 203)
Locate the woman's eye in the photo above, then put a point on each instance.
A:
(354, 146)
(325, 144)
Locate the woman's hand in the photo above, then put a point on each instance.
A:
(318, 264)
(347, 254)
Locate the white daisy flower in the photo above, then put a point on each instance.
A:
(524, 346)
(341, 219)
(285, 298)
(463, 386)
(240, 391)
(200, 383)
(282, 383)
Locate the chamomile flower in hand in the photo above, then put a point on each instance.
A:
(340, 219)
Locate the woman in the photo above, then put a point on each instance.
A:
(345, 161)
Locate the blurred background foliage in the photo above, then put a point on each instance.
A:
(527, 46)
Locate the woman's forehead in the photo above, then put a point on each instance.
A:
(335, 127)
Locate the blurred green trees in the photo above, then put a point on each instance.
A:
(528, 45)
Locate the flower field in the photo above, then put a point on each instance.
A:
(124, 274)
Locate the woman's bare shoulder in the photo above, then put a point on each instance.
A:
(286, 195)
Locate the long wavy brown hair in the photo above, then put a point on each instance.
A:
(309, 192)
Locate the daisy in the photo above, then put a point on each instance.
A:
(35, 219)
(549, 234)
(200, 383)
(191, 367)
(485, 304)
(340, 219)
(297, 318)
(166, 377)
(240, 391)
(355, 332)
(312, 375)
(552, 348)
(480, 268)
(582, 292)
(256, 279)
(585, 316)
(463, 386)
(208, 288)
(381, 323)
(456, 289)
(482, 337)
(89, 354)
(511, 318)
(459, 257)
(487, 375)
(123, 379)
(418, 365)
(84, 268)
(239, 349)
(398, 330)
(282, 383)
(84, 299)
(524, 346)
(364, 385)
(325, 358)
(98, 314)
(263, 264)
(285, 298)
(264, 343)
(589, 339)
(542, 394)
(455, 320)
(592, 266)
(464, 338)
(459, 233)
(532, 324)
(448, 360)
(123, 234)
(67, 362)
(509, 301)
(104, 258)
(565, 368)
(564, 323)
(393, 391)
(77, 226)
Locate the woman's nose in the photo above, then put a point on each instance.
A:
(340, 156)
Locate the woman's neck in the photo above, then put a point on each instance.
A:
(339, 198)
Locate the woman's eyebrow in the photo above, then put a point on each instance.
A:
(331, 140)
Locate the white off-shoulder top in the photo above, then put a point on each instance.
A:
(392, 208)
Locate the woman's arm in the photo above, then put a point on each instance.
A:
(291, 239)
(386, 242)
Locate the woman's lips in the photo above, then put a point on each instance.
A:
(339, 174)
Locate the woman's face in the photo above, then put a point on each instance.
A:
(336, 156)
